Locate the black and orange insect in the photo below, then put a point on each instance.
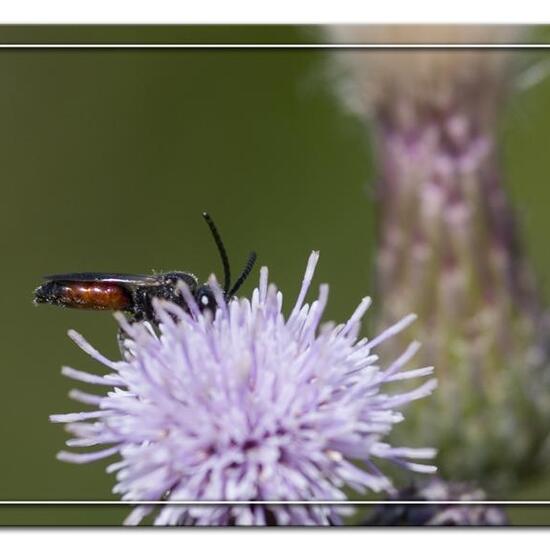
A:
(134, 294)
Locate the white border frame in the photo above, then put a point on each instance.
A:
(231, 46)
(319, 46)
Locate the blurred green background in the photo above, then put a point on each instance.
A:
(107, 159)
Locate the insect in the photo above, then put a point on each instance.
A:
(134, 294)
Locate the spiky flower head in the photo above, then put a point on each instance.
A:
(247, 406)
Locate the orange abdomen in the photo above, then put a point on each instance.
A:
(94, 295)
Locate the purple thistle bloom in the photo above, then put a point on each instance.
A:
(246, 406)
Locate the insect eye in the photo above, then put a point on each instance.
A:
(205, 299)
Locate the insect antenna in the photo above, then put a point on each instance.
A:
(221, 250)
(245, 273)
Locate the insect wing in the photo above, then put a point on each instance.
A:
(117, 278)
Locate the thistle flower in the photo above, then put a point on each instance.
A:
(449, 249)
(246, 406)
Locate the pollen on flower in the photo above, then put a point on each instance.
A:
(249, 406)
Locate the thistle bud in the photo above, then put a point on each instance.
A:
(434, 512)
(449, 248)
